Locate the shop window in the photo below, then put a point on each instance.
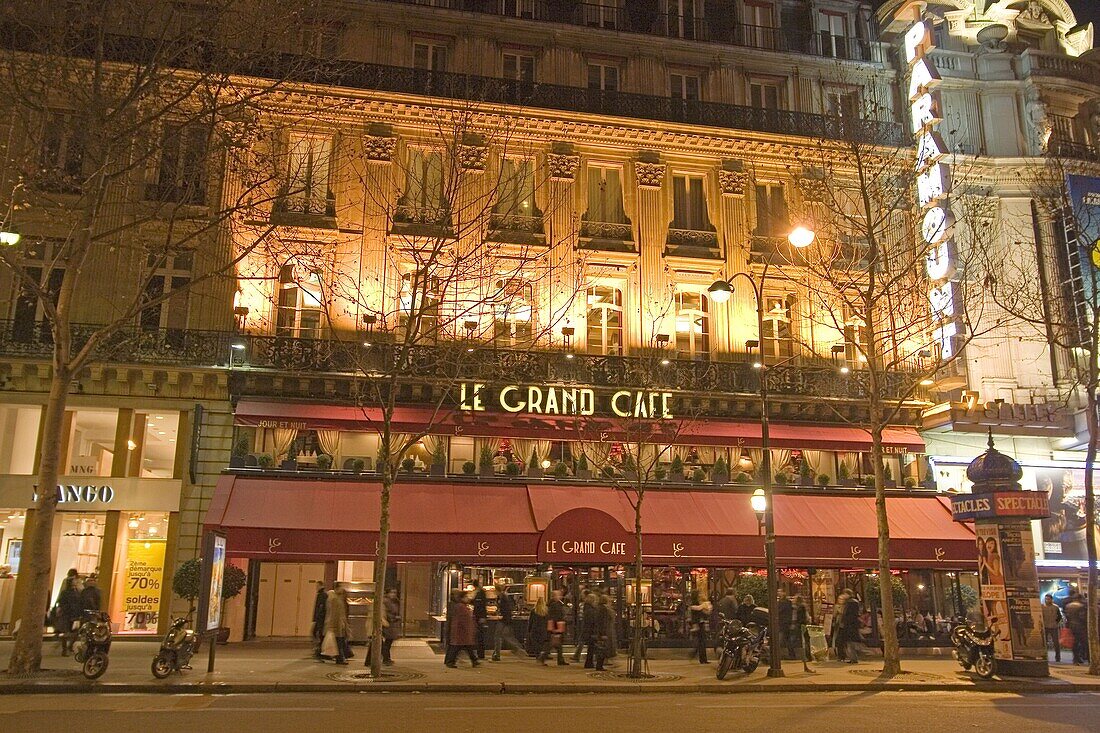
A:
(158, 433)
(605, 196)
(603, 76)
(779, 327)
(91, 441)
(419, 306)
(11, 547)
(462, 451)
(772, 217)
(18, 438)
(166, 294)
(139, 579)
(29, 323)
(300, 298)
(689, 203)
(513, 313)
(79, 547)
(692, 325)
(308, 175)
(362, 446)
(605, 320)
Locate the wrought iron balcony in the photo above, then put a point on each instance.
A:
(619, 232)
(171, 346)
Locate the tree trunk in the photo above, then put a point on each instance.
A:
(26, 655)
(381, 557)
(891, 655)
(1093, 421)
(637, 660)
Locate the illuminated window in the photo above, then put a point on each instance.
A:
(308, 174)
(605, 320)
(516, 188)
(423, 200)
(779, 327)
(605, 196)
(513, 313)
(689, 204)
(772, 219)
(300, 298)
(692, 325)
(419, 307)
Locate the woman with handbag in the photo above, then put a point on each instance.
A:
(555, 625)
(335, 643)
(537, 633)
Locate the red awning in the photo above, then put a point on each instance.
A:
(546, 427)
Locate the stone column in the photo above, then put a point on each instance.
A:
(653, 216)
(736, 322)
(562, 304)
(379, 197)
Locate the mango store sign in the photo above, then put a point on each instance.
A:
(73, 494)
(560, 400)
(933, 187)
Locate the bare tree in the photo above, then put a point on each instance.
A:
(131, 147)
(1053, 291)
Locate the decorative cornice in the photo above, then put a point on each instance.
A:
(562, 167)
(472, 157)
(380, 148)
(811, 188)
(734, 183)
(649, 175)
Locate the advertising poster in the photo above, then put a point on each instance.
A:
(1084, 194)
(1063, 532)
(144, 578)
(1025, 618)
(217, 578)
(994, 598)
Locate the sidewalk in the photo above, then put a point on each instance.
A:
(288, 667)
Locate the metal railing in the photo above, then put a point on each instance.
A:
(165, 346)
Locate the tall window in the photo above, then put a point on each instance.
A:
(429, 56)
(423, 198)
(760, 30)
(419, 305)
(772, 219)
(181, 166)
(685, 18)
(689, 203)
(692, 325)
(834, 34)
(842, 102)
(513, 313)
(308, 174)
(518, 8)
(61, 154)
(779, 326)
(605, 320)
(684, 86)
(519, 67)
(855, 339)
(300, 297)
(603, 76)
(319, 39)
(602, 13)
(516, 188)
(166, 293)
(765, 93)
(29, 321)
(605, 195)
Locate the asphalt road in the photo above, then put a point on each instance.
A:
(605, 713)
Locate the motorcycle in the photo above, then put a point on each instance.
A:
(179, 645)
(93, 643)
(742, 646)
(974, 648)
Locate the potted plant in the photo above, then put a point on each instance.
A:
(607, 472)
(438, 466)
(888, 476)
(358, 465)
(676, 470)
(910, 482)
(660, 473)
(742, 478)
(561, 470)
(720, 474)
(380, 464)
(324, 462)
(408, 464)
(842, 476)
(583, 471)
(534, 465)
(698, 475)
(265, 461)
(469, 468)
(290, 463)
(187, 584)
(630, 467)
(823, 479)
(237, 458)
(513, 469)
(782, 478)
(485, 463)
(805, 474)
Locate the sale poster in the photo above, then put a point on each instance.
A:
(144, 577)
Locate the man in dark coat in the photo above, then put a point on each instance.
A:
(90, 597)
(849, 626)
(481, 616)
(727, 606)
(555, 622)
(786, 612)
(505, 636)
(70, 609)
(1078, 625)
(391, 630)
(319, 605)
(461, 629)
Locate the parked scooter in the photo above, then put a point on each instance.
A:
(93, 643)
(742, 645)
(974, 649)
(179, 645)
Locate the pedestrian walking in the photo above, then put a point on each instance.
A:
(391, 626)
(699, 623)
(480, 606)
(67, 611)
(744, 611)
(727, 605)
(461, 629)
(850, 624)
(555, 625)
(1052, 621)
(838, 639)
(538, 635)
(587, 616)
(1077, 623)
(335, 642)
(320, 601)
(90, 597)
(590, 629)
(604, 626)
(786, 611)
(505, 636)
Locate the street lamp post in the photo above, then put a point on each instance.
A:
(721, 291)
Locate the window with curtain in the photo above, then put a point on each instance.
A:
(605, 195)
(423, 199)
(684, 87)
(299, 302)
(765, 93)
(603, 76)
(308, 174)
(685, 18)
(419, 303)
(513, 312)
(519, 67)
(855, 340)
(605, 320)
(689, 203)
(779, 327)
(692, 325)
(171, 278)
(772, 218)
(516, 188)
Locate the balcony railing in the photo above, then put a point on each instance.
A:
(171, 346)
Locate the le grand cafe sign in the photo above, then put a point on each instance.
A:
(561, 400)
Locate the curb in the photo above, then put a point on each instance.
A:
(109, 688)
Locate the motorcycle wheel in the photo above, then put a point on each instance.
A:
(161, 666)
(751, 665)
(984, 666)
(95, 665)
(725, 664)
(79, 657)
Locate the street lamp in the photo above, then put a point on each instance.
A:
(10, 239)
(761, 500)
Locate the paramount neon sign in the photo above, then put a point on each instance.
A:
(933, 187)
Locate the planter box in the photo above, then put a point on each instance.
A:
(850, 483)
(486, 472)
(720, 479)
(289, 465)
(238, 461)
(437, 470)
(891, 483)
(535, 472)
(584, 474)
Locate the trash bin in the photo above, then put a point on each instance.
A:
(819, 649)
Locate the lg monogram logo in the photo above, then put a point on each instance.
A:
(856, 552)
(273, 545)
(677, 549)
(482, 548)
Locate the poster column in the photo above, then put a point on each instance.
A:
(210, 589)
(1008, 579)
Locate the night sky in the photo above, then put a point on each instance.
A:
(1087, 10)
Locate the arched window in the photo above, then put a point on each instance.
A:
(513, 313)
(299, 309)
(692, 325)
(605, 320)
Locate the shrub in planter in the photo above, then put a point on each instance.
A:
(187, 582)
(265, 461)
(512, 469)
(888, 476)
(438, 466)
(607, 472)
(469, 468)
(782, 478)
(660, 473)
(910, 482)
(582, 468)
(408, 464)
(843, 477)
(698, 475)
(676, 470)
(290, 463)
(358, 465)
(485, 462)
(324, 462)
(742, 478)
(561, 470)
(240, 452)
(534, 465)
(805, 475)
(720, 474)
(823, 479)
